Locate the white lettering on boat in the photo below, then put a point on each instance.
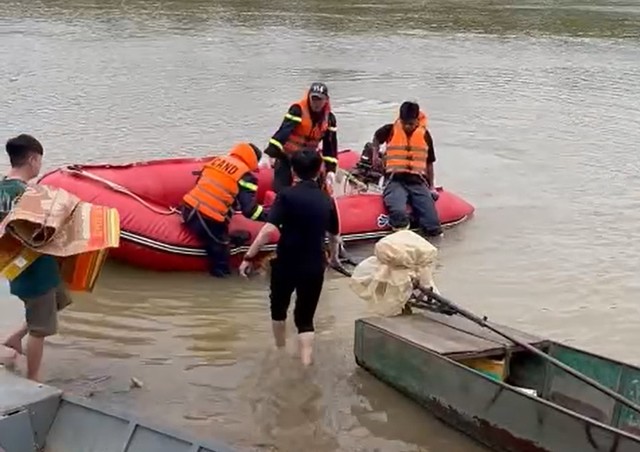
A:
(382, 221)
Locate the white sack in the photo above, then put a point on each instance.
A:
(385, 280)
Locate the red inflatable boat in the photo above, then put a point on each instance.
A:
(147, 194)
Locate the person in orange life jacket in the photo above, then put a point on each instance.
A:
(307, 123)
(224, 183)
(408, 167)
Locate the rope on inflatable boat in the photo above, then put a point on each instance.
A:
(72, 169)
(119, 188)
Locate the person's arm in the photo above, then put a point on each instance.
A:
(275, 149)
(274, 220)
(330, 145)
(431, 158)
(248, 188)
(333, 228)
(9, 197)
(381, 136)
(261, 240)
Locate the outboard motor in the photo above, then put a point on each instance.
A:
(368, 168)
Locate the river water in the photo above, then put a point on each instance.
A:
(535, 112)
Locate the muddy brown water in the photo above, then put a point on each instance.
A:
(535, 112)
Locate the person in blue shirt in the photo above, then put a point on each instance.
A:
(39, 286)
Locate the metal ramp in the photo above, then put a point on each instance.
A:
(35, 418)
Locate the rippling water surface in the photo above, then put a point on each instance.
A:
(535, 111)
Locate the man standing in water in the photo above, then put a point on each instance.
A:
(39, 286)
(303, 214)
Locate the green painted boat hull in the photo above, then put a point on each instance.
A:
(419, 355)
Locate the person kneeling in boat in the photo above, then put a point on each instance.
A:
(307, 123)
(408, 167)
(223, 183)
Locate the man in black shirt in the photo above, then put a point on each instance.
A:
(303, 214)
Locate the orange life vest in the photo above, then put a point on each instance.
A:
(407, 154)
(217, 188)
(307, 134)
(423, 120)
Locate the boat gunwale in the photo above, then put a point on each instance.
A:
(502, 385)
(143, 163)
(136, 422)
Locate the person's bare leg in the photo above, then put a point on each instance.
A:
(305, 347)
(279, 332)
(8, 358)
(14, 340)
(35, 348)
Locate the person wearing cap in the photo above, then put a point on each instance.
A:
(224, 183)
(408, 168)
(308, 123)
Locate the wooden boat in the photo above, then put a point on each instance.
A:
(502, 395)
(38, 418)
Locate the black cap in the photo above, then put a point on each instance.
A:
(319, 89)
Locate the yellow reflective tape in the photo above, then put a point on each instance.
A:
(333, 129)
(276, 143)
(257, 213)
(293, 118)
(330, 160)
(248, 185)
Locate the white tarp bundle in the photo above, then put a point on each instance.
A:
(386, 279)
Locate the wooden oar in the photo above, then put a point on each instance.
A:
(484, 323)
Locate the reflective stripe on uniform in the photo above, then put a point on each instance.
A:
(248, 185)
(330, 159)
(257, 213)
(276, 143)
(293, 118)
(333, 129)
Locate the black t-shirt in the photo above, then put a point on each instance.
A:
(304, 214)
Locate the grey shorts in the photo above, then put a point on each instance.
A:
(42, 312)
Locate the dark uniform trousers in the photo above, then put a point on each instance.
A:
(402, 191)
(215, 237)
